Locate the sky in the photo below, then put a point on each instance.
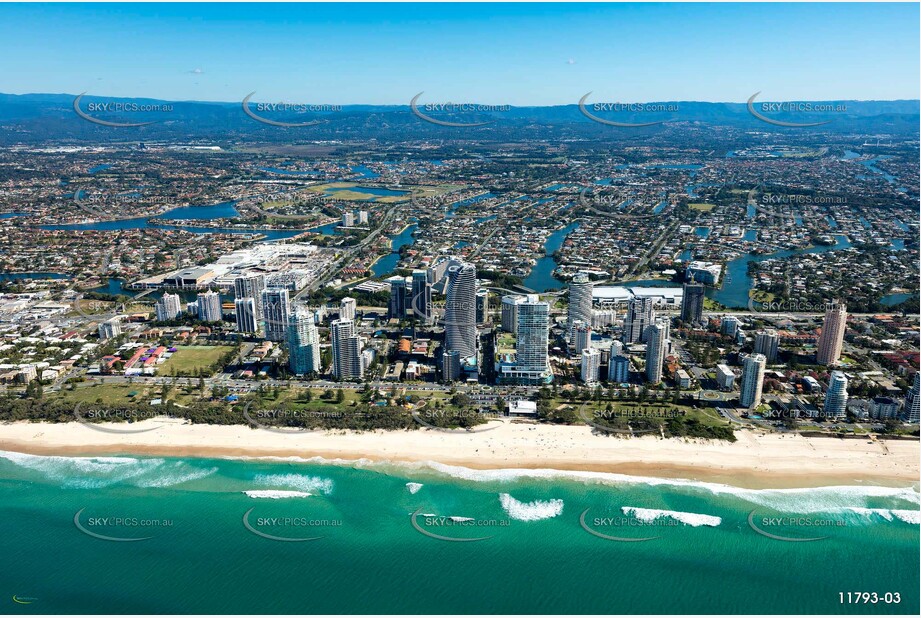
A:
(515, 54)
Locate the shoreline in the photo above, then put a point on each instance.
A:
(756, 461)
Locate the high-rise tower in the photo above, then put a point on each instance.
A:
(580, 302)
(275, 310)
(303, 343)
(656, 338)
(692, 303)
(752, 380)
(836, 396)
(346, 347)
(767, 342)
(640, 314)
(828, 348)
(460, 310)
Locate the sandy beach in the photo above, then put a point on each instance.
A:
(757, 460)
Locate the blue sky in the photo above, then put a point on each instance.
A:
(533, 54)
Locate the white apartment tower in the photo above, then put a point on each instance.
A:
(110, 328)
(657, 336)
(246, 316)
(836, 396)
(591, 364)
(250, 286)
(168, 307)
(275, 309)
(346, 347)
(460, 310)
(752, 380)
(209, 307)
(303, 343)
(347, 308)
(580, 302)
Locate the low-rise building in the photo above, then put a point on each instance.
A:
(522, 407)
(683, 378)
(725, 378)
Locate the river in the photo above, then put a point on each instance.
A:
(541, 278)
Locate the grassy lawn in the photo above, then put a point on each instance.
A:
(762, 296)
(292, 395)
(505, 343)
(647, 409)
(332, 185)
(351, 191)
(91, 307)
(288, 398)
(392, 199)
(353, 195)
(702, 207)
(109, 394)
(127, 394)
(189, 359)
(272, 204)
(293, 398)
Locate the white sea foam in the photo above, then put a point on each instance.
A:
(909, 517)
(690, 519)
(276, 494)
(530, 511)
(44, 463)
(798, 500)
(414, 487)
(825, 499)
(84, 472)
(301, 482)
(97, 472)
(333, 461)
(177, 473)
(884, 513)
(456, 518)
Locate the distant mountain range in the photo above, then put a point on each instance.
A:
(50, 117)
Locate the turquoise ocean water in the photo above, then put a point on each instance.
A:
(206, 545)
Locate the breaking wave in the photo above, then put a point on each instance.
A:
(690, 519)
(98, 472)
(276, 494)
(300, 482)
(530, 511)
(414, 487)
